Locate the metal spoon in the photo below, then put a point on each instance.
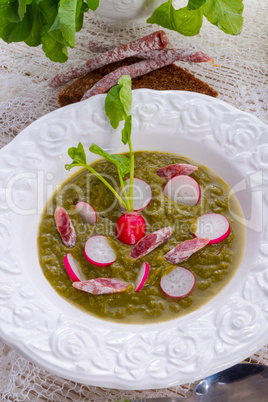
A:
(245, 382)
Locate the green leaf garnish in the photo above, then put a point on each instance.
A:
(195, 4)
(126, 132)
(78, 155)
(67, 19)
(93, 4)
(117, 106)
(118, 101)
(79, 159)
(121, 161)
(186, 22)
(225, 14)
(125, 93)
(53, 23)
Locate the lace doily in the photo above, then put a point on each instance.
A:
(25, 96)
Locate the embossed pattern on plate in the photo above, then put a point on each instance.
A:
(66, 341)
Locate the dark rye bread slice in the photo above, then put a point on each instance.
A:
(166, 78)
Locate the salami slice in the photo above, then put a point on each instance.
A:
(101, 286)
(65, 227)
(185, 55)
(150, 242)
(170, 171)
(156, 40)
(135, 70)
(185, 249)
(98, 47)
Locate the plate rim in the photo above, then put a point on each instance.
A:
(43, 119)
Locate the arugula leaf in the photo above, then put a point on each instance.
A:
(125, 93)
(13, 28)
(8, 13)
(79, 159)
(54, 49)
(34, 38)
(118, 101)
(78, 155)
(93, 4)
(225, 14)
(50, 22)
(22, 7)
(67, 19)
(126, 132)
(121, 161)
(53, 23)
(186, 22)
(117, 107)
(42, 15)
(19, 30)
(195, 4)
(81, 8)
(113, 107)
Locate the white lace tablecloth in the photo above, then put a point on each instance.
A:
(25, 96)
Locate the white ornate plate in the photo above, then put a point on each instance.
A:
(57, 336)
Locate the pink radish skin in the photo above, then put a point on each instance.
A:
(65, 227)
(142, 276)
(142, 194)
(87, 212)
(130, 228)
(170, 171)
(98, 251)
(101, 286)
(183, 189)
(73, 269)
(213, 226)
(178, 283)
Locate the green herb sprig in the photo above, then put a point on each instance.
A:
(54, 23)
(117, 107)
(225, 14)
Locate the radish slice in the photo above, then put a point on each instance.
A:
(142, 276)
(185, 249)
(167, 172)
(87, 212)
(183, 189)
(101, 286)
(178, 283)
(215, 227)
(65, 227)
(73, 269)
(99, 252)
(142, 194)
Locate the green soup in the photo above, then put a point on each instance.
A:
(213, 266)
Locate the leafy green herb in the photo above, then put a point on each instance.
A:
(117, 106)
(184, 21)
(50, 23)
(93, 4)
(121, 161)
(195, 4)
(79, 159)
(225, 14)
(67, 14)
(53, 23)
